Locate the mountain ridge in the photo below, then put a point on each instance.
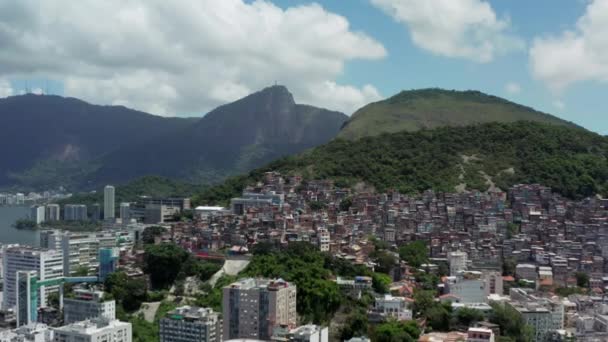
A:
(428, 108)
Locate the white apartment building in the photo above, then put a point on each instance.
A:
(480, 335)
(108, 202)
(395, 307)
(48, 263)
(324, 240)
(252, 308)
(79, 249)
(34, 332)
(37, 213)
(94, 331)
(458, 262)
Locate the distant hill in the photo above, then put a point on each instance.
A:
(69, 142)
(231, 139)
(413, 110)
(48, 139)
(572, 161)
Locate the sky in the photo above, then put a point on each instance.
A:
(185, 57)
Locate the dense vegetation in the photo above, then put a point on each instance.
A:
(430, 108)
(571, 161)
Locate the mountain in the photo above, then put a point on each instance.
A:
(46, 138)
(51, 140)
(429, 108)
(572, 161)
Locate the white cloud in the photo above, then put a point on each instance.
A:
(466, 29)
(577, 55)
(172, 57)
(5, 88)
(513, 88)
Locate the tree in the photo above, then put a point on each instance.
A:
(356, 325)
(346, 203)
(438, 317)
(414, 253)
(381, 282)
(385, 261)
(150, 233)
(163, 263)
(508, 267)
(423, 301)
(511, 323)
(395, 331)
(128, 292)
(582, 279)
(467, 316)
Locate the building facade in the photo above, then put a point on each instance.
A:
(94, 331)
(48, 264)
(108, 203)
(252, 308)
(191, 324)
(88, 305)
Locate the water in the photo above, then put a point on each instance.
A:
(10, 234)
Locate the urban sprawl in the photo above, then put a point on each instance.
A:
(526, 251)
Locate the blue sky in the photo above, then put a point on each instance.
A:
(529, 61)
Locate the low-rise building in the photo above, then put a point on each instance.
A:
(94, 331)
(88, 305)
(191, 324)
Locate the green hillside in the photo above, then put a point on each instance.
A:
(572, 161)
(430, 108)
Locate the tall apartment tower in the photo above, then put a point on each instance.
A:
(52, 212)
(48, 263)
(108, 202)
(458, 262)
(125, 212)
(37, 213)
(252, 308)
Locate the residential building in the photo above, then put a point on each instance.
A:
(394, 307)
(191, 324)
(37, 213)
(33, 332)
(80, 250)
(324, 240)
(480, 335)
(125, 214)
(252, 308)
(108, 203)
(304, 333)
(48, 264)
(354, 287)
(53, 212)
(75, 212)
(526, 272)
(458, 262)
(94, 331)
(88, 304)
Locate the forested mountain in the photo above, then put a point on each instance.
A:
(231, 139)
(46, 139)
(51, 140)
(429, 108)
(572, 161)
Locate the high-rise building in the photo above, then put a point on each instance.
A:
(108, 262)
(75, 212)
(458, 262)
(108, 203)
(253, 308)
(47, 263)
(95, 331)
(95, 212)
(88, 305)
(79, 249)
(190, 324)
(37, 213)
(52, 212)
(125, 212)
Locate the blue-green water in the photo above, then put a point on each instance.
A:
(9, 234)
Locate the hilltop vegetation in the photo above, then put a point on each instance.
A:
(413, 110)
(572, 161)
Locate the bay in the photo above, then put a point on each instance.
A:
(10, 234)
